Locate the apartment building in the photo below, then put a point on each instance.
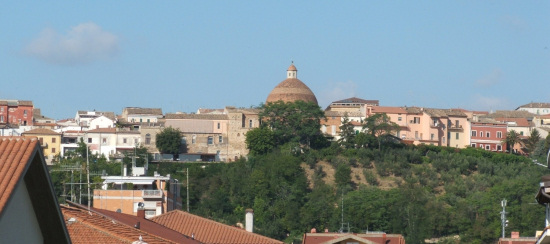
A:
(16, 112)
(488, 135)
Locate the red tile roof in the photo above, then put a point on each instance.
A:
(90, 227)
(329, 238)
(40, 131)
(208, 231)
(522, 122)
(388, 110)
(15, 152)
(145, 225)
(21, 159)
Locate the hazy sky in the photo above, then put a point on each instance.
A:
(184, 55)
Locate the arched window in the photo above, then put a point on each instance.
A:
(148, 139)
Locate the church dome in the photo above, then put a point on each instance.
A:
(291, 89)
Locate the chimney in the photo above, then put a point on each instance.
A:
(141, 211)
(313, 230)
(326, 230)
(384, 237)
(249, 220)
(515, 234)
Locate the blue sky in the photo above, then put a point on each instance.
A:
(184, 55)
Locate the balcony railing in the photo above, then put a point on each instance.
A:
(152, 193)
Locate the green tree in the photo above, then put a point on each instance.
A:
(169, 141)
(297, 121)
(532, 140)
(512, 138)
(347, 133)
(380, 126)
(260, 140)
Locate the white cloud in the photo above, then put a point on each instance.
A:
(515, 23)
(337, 91)
(490, 79)
(486, 103)
(83, 43)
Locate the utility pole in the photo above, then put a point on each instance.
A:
(187, 188)
(88, 171)
(504, 222)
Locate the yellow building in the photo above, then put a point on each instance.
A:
(50, 141)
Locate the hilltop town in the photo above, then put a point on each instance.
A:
(151, 206)
(218, 134)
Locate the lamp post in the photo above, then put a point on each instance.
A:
(504, 222)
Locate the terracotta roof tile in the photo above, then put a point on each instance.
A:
(318, 238)
(102, 130)
(208, 231)
(357, 100)
(40, 131)
(91, 227)
(198, 116)
(136, 110)
(522, 122)
(15, 152)
(389, 110)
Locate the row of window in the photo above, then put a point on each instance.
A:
(488, 147)
(486, 134)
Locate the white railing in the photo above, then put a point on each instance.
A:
(152, 193)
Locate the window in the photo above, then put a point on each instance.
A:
(104, 141)
(25, 113)
(218, 125)
(499, 134)
(457, 124)
(521, 133)
(89, 140)
(481, 134)
(416, 120)
(474, 133)
(183, 140)
(210, 140)
(432, 136)
(457, 135)
(333, 130)
(488, 134)
(499, 148)
(193, 139)
(53, 139)
(487, 147)
(480, 145)
(220, 139)
(250, 123)
(435, 122)
(2, 109)
(124, 140)
(443, 139)
(148, 120)
(398, 118)
(1, 118)
(473, 145)
(53, 149)
(416, 135)
(136, 141)
(147, 139)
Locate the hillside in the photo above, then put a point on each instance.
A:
(420, 192)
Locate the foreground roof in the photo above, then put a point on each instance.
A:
(369, 238)
(357, 100)
(22, 162)
(208, 231)
(93, 227)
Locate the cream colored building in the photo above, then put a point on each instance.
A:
(50, 141)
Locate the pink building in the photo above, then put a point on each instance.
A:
(16, 112)
(489, 136)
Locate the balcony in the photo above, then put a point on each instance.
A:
(152, 194)
(455, 128)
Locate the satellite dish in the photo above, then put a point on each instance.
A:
(141, 204)
(119, 211)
